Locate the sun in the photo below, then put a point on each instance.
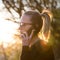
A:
(7, 30)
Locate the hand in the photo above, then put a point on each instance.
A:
(26, 39)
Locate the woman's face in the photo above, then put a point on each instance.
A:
(26, 26)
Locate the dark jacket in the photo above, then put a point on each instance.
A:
(38, 51)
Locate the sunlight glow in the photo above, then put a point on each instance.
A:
(7, 31)
(7, 28)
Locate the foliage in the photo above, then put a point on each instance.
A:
(12, 52)
(19, 5)
(56, 23)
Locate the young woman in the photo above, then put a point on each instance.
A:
(33, 48)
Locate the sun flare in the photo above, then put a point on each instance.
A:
(7, 31)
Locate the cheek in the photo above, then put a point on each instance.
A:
(26, 29)
(29, 30)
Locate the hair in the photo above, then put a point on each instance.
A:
(46, 28)
(36, 20)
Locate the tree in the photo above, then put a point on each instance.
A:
(19, 5)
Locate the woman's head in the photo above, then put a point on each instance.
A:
(30, 25)
(35, 19)
(32, 22)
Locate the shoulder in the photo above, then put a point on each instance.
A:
(43, 45)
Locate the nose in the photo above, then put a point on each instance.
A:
(21, 28)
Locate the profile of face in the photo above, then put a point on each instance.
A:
(26, 27)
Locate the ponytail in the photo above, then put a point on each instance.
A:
(47, 18)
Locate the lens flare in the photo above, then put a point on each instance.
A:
(7, 31)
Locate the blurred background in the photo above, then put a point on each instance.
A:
(10, 13)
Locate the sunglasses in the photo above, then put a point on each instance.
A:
(24, 24)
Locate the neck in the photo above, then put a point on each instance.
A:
(33, 40)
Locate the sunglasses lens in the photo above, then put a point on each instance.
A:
(23, 24)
